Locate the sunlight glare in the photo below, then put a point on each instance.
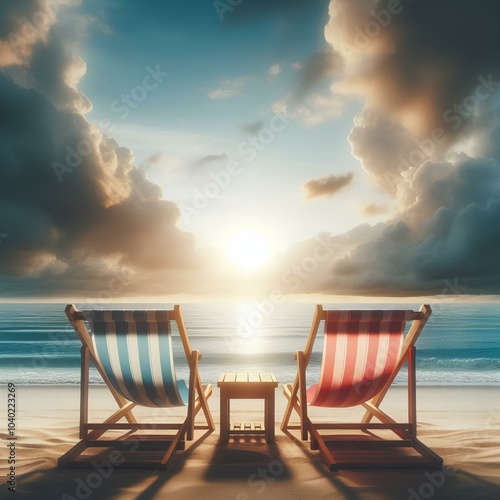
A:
(248, 249)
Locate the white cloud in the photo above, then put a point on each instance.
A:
(325, 186)
(229, 88)
(280, 108)
(274, 70)
(318, 109)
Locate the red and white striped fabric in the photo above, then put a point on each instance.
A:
(360, 352)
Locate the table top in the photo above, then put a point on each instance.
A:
(247, 378)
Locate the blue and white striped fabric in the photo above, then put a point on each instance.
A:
(135, 350)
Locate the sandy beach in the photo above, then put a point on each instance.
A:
(462, 424)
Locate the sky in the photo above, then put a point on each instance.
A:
(249, 148)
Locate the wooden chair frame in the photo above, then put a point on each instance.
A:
(91, 432)
(407, 432)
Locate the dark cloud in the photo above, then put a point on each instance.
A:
(459, 240)
(207, 160)
(326, 186)
(152, 161)
(22, 24)
(428, 58)
(70, 196)
(97, 205)
(253, 127)
(12, 14)
(53, 71)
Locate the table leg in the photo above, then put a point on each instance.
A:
(224, 418)
(269, 414)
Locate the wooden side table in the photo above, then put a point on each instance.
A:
(247, 386)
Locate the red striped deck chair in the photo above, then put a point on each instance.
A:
(363, 351)
(132, 351)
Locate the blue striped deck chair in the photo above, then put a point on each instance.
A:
(132, 351)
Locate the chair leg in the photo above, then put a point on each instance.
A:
(84, 391)
(314, 443)
(412, 391)
(302, 395)
(193, 362)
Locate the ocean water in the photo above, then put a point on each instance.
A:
(459, 346)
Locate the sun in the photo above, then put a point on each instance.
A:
(248, 249)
